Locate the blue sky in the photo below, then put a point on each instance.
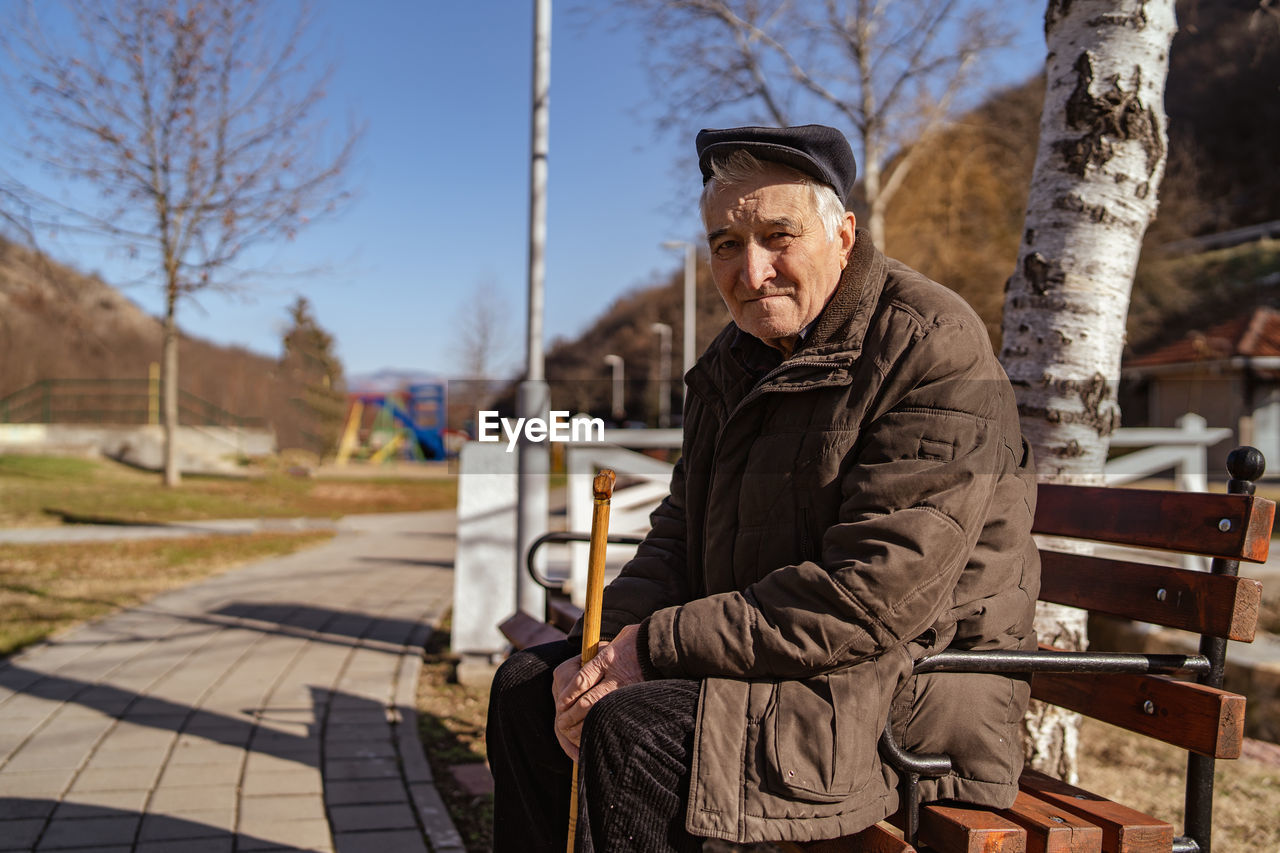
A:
(442, 178)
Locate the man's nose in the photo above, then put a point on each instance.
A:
(757, 266)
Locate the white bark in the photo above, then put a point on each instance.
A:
(1101, 157)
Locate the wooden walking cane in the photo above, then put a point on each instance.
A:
(602, 492)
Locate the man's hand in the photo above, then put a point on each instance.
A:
(578, 686)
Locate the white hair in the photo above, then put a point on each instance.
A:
(741, 167)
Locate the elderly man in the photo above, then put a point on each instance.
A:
(853, 494)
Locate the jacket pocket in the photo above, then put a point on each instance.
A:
(820, 734)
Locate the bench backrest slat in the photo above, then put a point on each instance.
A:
(1195, 717)
(1218, 605)
(1188, 522)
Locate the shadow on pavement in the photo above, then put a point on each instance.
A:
(26, 821)
(324, 621)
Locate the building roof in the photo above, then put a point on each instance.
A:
(1252, 334)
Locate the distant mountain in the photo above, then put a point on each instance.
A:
(388, 379)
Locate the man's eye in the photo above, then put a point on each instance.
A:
(724, 247)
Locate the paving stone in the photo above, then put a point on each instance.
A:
(129, 801)
(166, 800)
(39, 783)
(435, 817)
(188, 775)
(16, 808)
(360, 768)
(222, 844)
(401, 841)
(116, 779)
(301, 781)
(91, 832)
(259, 762)
(20, 834)
(284, 807)
(350, 731)
(197, 823)
(112, 758)
(206, 754)
(44, 754)
(360, 818)
(363, 791)
(290, 835)
(359, 749)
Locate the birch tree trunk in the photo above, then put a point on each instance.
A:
(1093, 192)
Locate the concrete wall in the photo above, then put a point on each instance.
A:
(201, 449)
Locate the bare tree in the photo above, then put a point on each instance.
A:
(888, 70)
(483, 344)
(191, 130)
(1099, 164)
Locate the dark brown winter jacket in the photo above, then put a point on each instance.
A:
(834, 516)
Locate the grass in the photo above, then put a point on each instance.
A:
(47, 588)
(1147, 775)
(41, 491)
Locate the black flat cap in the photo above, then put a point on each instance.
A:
(816, 150)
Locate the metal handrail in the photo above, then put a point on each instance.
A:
(561, 536)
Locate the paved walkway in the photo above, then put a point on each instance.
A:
(268, 708)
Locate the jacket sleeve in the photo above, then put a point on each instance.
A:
(656, 577)
(915, 490)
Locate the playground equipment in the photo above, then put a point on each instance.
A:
(409, 421)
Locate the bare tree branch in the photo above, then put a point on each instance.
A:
(887, 69)
(190, 128)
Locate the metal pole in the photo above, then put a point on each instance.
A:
(690, 299)
(619, 408)
(534, 396)
(1245, 465)
(664, 374)
(690, 304)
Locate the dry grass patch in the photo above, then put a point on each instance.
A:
(47, 588)
(451, 719)
(1147, 775)
(38, 490)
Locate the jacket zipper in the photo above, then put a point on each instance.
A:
(756, 392)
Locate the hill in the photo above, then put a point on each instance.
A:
(59, 323)
(958, 215)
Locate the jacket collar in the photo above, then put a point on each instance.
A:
(843, 322)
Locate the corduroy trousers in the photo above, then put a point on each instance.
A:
(633, 770)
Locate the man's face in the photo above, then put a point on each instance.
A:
(770, 257)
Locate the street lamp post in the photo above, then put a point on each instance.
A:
(619, 410)
(664, 374)
(690, 297)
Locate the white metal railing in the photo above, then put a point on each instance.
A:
(1183, 448)
(645, 482)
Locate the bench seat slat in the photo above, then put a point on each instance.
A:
(1188, 522)
(1219, 605)
(523, 631)
(873, 839)
(955, 829)
(1051, 829)
(1124, 830)
(1203, 719)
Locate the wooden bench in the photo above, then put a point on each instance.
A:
(1173, 698)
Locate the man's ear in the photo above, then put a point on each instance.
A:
(846, 230)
